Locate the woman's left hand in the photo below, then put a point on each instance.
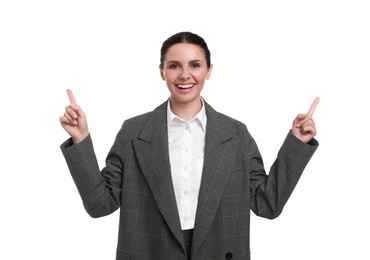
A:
(303, 125)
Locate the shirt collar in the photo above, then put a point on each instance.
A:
(201, 117)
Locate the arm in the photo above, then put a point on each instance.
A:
(269, 193)
(100, 191)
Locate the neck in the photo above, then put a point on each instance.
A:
(186, 111)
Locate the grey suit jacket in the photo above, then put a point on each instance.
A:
(137, 179)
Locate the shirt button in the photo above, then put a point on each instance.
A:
(186, 150)
(185, 192)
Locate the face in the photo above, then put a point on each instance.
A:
(185, 71)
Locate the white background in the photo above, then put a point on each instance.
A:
(271, 59)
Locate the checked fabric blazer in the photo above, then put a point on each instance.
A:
(137, 179)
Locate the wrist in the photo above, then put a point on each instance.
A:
(79, 138)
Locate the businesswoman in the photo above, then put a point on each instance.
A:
(184, 176)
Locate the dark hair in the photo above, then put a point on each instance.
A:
(186, 37)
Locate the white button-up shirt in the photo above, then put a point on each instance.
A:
(186, 141)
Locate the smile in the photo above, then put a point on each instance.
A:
(187, 86)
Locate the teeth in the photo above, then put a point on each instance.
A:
(185, 86)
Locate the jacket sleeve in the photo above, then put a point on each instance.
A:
(269, 193)
(99, 190)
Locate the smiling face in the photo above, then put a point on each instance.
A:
(185, 70)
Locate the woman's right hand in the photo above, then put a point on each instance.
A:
(74, 120)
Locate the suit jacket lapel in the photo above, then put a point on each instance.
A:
(152, 153)
(220, 152)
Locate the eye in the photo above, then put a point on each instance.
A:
(173, 66)
(196, 65)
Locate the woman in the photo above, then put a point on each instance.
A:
(184, 176)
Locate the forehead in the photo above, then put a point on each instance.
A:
(184, 52)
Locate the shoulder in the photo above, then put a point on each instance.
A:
(228, 126)
(138, 120)
(136, 124)
(220, 120)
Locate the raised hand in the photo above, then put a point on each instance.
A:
(74, 120)
(303, 125)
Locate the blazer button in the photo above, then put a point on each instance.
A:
(228, 255)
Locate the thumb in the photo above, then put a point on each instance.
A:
(296, 122)
(78, 110)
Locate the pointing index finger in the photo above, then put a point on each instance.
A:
(72, 99)
(313, 107)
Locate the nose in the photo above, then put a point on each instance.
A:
(184, 74)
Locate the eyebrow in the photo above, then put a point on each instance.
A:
(192, 61)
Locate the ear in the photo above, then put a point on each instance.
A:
(162, 72)
(209, 72)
